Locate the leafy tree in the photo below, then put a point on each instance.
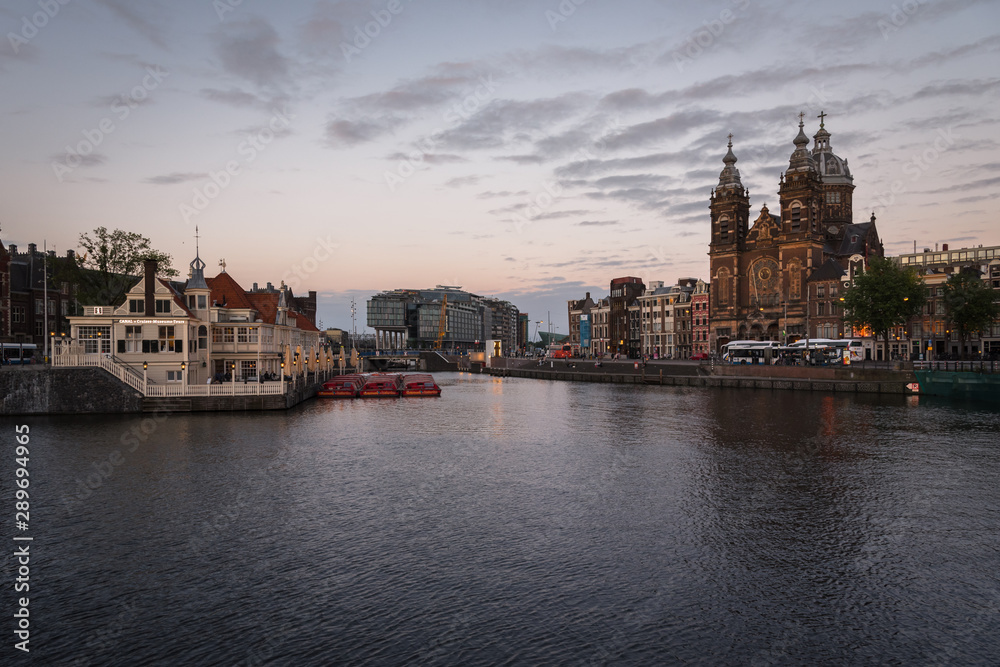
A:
(110, 264)
(969, 303)
(884, 296)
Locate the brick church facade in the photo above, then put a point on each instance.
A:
(772, 277)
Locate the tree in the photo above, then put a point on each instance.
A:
(111, 263)
(969, 304)
(883, 297)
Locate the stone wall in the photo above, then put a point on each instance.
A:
(43, 390)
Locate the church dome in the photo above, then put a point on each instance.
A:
(831, 167)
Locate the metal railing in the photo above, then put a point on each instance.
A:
(965, 366)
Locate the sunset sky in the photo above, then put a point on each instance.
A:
(531, 150)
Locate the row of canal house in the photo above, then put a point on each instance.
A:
(191, 332)
(656, 321)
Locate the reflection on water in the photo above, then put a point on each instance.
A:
(515, 521)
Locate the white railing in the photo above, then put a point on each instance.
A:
(121, 372)
(130, 377)
(223, 389)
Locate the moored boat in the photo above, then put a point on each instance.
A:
(419, 384)
(960, 384)
(380, 385)
(342, 386)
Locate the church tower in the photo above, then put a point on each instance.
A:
(801, 194)
(838, 184)
(730, 205)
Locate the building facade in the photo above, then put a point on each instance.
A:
(33, 306)
(193, 332)
(930, 336)
(624, 291)
(760, 270)
(445, 315)
(701, 341)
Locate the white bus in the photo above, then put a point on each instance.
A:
(750, 351)
(18, 353)
(836, 350)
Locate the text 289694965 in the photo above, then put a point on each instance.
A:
(22, 553)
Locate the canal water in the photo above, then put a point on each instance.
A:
(517, 522)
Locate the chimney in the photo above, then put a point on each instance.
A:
(588, 295)
(32, 248)
(254, 287)
(944, 247)
(70, 254)
(149, 266)
(13, 249)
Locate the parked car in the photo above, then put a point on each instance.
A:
(699, 356)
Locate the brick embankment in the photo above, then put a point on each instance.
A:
(690, 374)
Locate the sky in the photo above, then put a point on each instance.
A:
(529, 150)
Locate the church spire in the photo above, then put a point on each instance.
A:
(800, 159)
(730, 176)
(197, 279)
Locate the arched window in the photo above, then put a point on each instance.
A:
(202, 337)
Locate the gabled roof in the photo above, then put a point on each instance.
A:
(177, 297)
(266, 304)
(227, 292)
(855, 239)
(301, 321)
(831, 270)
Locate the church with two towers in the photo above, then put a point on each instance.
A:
(777, 277)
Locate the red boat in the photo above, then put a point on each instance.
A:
(342, 386)
(380, 385)
(419, 384)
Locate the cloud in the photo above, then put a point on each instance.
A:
(232, 96)
(175, 177)
(90, 160)
(342, 132)
(462, 181)
(248, 48)
(126, 11)
(597, 223)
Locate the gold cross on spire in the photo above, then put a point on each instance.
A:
(730, 139)
(802, 114)
(821, 116)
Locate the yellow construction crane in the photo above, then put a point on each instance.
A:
(442, 322)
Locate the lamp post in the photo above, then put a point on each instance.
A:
(183, 377)
(282, 377)
(145, 383)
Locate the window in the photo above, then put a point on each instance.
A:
(228, 334)
(167, 342)
(217, 335)
(175, 376)
(65, 308)
(136, 306)
(248, 368)
(163, 305)
(39, 328)
(241, 335)
(95, 339)
(820, 291)
(821, 308)
(17, 314)
(795, 214)
(133, 339)
(203, 337)
(202, 302)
